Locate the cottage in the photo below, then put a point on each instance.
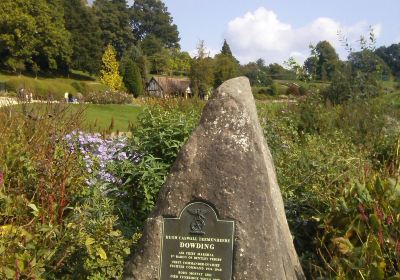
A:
(164, 86)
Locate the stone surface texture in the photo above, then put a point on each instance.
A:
(226, 162)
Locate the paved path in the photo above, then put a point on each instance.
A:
(5, 101)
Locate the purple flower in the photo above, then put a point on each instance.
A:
(98, 153)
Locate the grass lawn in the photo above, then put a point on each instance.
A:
(99, 117)
(52, 87)
(96, 117)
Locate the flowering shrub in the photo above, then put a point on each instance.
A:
(52, 226)
(109, 97)
(98, 153)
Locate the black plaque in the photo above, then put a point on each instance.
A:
(197, 246)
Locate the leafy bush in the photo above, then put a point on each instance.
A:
(362, 231)
(52, 225)
(158, 137)
(80, 86)
(273, 89)
(320, 151)
(109, 97)
(293, 90)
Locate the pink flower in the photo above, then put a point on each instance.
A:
(379, 212)
(361, 210)
(380, 236)
(389, 220)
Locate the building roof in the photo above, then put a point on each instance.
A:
(172, 85)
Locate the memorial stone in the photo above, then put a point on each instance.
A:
(222, 182)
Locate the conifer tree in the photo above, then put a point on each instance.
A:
(110, 70)
(133, 79)
(226, 50)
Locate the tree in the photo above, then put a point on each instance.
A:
(368, 63)
(132, 79)
(157, 55)
(277, 71)
(151, 17)
(32, 31)
(225, 68)
(201, 71)
(179, 62)
(85, 41)
(310, 67)
(226, 65)
(296, 68)
(135, 54)
(113, 17)
(110, 70)
(226, 49)
(391, 56)
(360, 77)
(151, 45)
(327, 60)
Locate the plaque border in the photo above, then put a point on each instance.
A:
(178, 218)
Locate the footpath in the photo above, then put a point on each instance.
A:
(7, 101)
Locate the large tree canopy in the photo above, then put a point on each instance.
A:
(323, 61)
(114, 22)
(86, 40)
(391, 56)
(151, 17)
(32, 32)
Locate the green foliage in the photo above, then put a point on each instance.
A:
(226, 65)
(320, 153)
(132, 79)
(51, 88)
(278, 72)
(273, 90)
(136, 55)
(52, 226)
(180, 62)
(225, 68)
(257, 74)
(226, 49)
(391, 56)
(353, 84)
(32, 31)
(158, 136)
(161, 132)
(323, 62)
(157, 55)
(151, 18)
(110, 70)
(86, 43)
(113, 18)
(370, 64)
(100, 248)
(201, 72)
(362, 229)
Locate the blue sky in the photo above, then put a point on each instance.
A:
(274, 30)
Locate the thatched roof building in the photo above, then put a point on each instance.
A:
(164, 86)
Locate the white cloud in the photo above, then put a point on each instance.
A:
(260, 34)
(209, 51)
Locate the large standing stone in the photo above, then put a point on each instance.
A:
(226, 162)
